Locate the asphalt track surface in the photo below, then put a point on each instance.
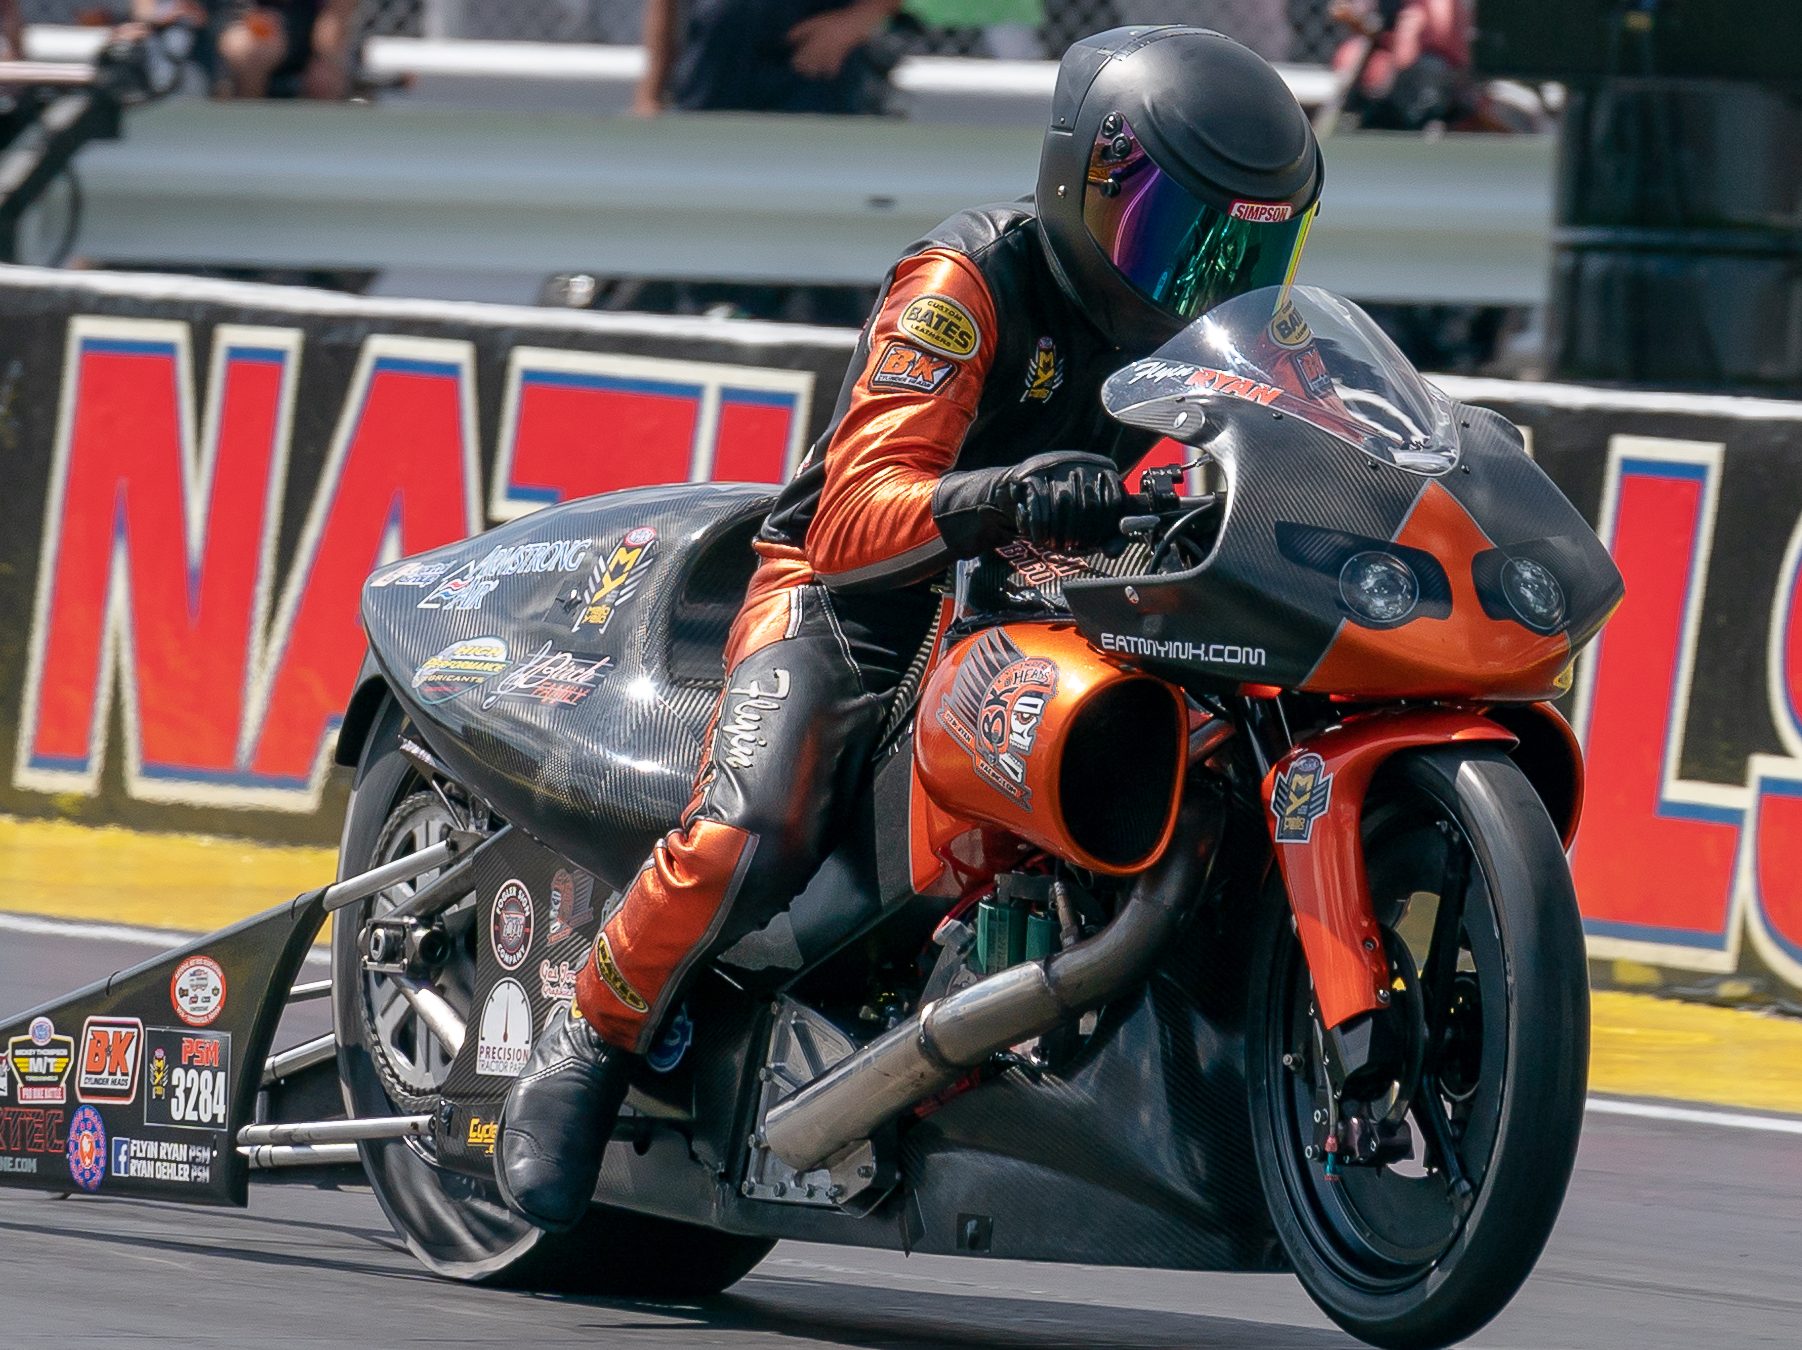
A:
(1675, 1236)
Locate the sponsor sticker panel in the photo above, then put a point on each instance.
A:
(110, 1055)
(197, 991)
(188, 1076)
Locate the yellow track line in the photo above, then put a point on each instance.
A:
(178, 881)
(1641, 1046)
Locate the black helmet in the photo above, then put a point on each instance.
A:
(1178, 172)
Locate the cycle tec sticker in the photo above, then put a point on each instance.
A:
(939, 322)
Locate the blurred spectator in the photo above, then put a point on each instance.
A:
(1010, 28)
(1418, 64)
(764, 56)
(270, 48)
(12, 32)
(1262, 25)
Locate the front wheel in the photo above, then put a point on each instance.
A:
(1474, 894)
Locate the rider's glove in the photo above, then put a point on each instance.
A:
(1066, 500)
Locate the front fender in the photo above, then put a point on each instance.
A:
(1314, 800)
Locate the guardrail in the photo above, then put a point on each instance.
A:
(480, 203)
(448, 200)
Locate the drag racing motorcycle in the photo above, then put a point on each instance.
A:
(1207, 906)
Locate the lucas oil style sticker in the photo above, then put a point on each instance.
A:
(1044, 373)
(941, 324)
(590, 607)
(459, 668)
(1299, 797)
(907, 368)
(994, 710)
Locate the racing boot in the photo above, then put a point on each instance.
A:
(555, 1123)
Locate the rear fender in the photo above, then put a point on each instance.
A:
(359, 713)
(1314, 798)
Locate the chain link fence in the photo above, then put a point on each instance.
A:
(1282, 30)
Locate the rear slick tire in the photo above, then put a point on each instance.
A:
(1520, 912)
(456, 1225)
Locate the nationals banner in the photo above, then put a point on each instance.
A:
(199, 475)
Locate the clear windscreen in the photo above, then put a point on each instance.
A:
(1297, 351)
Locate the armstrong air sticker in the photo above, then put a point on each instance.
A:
(459, 668)
(994, 708)
(1044, 373)
(40, 1062)
(588, 609)
(1299, 797)
(510, 926)
(109, 1060)
(197, 991)
(940, 323)
(505, 1035)
(474, 581)
(905, 367)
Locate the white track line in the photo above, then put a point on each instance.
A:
(1689, 1115)
(160, 938)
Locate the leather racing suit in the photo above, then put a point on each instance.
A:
(974, 358)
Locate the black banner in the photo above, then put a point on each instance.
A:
(200, 475)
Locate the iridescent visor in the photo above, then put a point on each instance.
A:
(1181, 253)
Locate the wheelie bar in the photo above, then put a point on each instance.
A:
(145, 1083)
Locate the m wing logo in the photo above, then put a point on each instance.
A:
(1299, 797)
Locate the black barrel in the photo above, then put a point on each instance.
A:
(1678, 247)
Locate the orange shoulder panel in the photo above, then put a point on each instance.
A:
(930, 348)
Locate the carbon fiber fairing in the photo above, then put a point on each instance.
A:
(564, 666)
(1267, 606)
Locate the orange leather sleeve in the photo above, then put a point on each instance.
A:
(913, 401)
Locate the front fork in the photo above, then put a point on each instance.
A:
(1313, 794)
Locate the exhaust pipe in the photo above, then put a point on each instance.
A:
(949, 1037)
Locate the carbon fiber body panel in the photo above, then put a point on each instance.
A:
(1255, 612)
(565, 665)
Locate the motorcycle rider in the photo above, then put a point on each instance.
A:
(1177, 172)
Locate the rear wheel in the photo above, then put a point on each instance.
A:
(1474, 895)
(390, 1063)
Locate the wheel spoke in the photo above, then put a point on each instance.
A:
(1429, 1110)
(1442, 954)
